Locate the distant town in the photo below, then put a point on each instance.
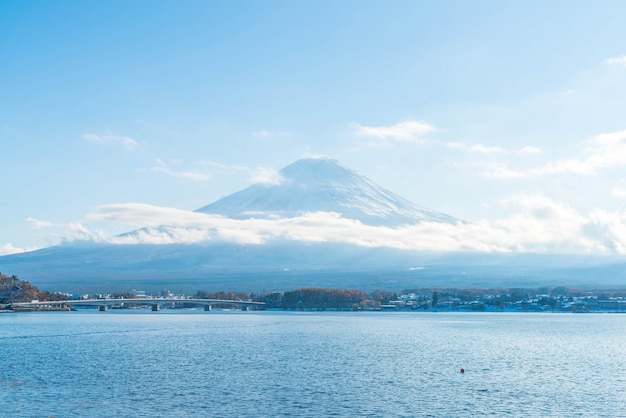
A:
(546, 299)
(557, 299)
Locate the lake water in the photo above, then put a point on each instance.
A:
(375, 364)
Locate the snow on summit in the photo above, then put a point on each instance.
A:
(324, 185)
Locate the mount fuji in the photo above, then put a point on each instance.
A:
(324, 185)
(305, 198)
(270, 237)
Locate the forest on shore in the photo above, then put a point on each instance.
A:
(12, 289)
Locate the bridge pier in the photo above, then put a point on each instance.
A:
(244, 308)
(102, 308)
(207, 308)
(156, 307)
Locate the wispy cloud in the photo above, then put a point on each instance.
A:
(231, 167)
(604, 151)
(8, 248)
(263, 133)
(529, 150)
(66, 231)
(621, 60)
(141, 214)
(407, 131)
(38, 223)
(257, 175)
(475, 148)
(484, 149)
(110, 138)
(163, 167)
(267, 177)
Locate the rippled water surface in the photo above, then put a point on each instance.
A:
(145, 364)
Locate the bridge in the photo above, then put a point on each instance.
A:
(104, 304)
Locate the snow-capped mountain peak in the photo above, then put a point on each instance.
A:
(324, 185)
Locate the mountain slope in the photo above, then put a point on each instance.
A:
(88, 267)
(323, 184)
(286, 261)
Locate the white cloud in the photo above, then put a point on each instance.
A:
(502, 172)
(537, 224)
(608, 229)
(259, 175)
(182, 174)
(8, 248)
(529, 150)
(263, 133)
(484, 149)
(112, 139)
(39, 224)
(317, 156)
(475, 148)
(621, 60)
(66, 231)
(232, 167)
(604, 151)
(540, 222)
(140, 214)
(619, 192)
(407, 131)
(267, 176)
(162, 167)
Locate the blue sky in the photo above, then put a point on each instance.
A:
(510, 115)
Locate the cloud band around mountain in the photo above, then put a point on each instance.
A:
(538, 225)
(110, 138)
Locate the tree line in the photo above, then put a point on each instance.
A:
(309, 298)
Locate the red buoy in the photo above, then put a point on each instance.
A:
(462, 370)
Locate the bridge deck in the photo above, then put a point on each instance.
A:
(137, 301)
